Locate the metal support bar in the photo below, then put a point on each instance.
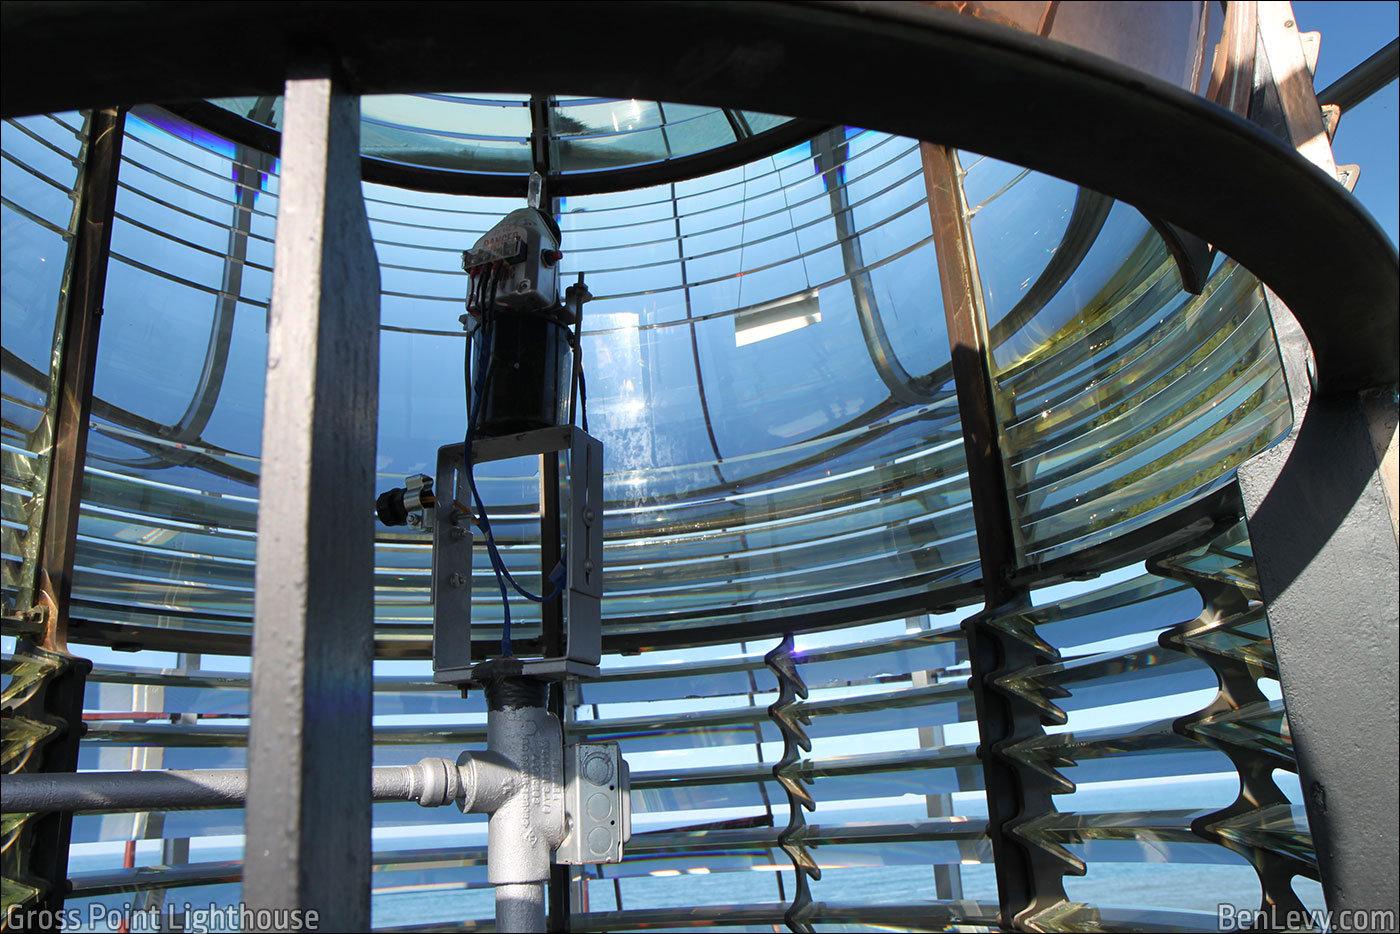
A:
(124, 791)
(309, 749)
(1289, 78)
(578, 628)
(519, 781)
(1327, 564)
(957, 273)
(529, 824)
(60, 703)
(1319, 522)
(248, 167)
(1364, 80)
(553, 640)
(87, 285)
(830, 151)
(539, 142)
(1028, 876)
(476, 783)
(520, 907)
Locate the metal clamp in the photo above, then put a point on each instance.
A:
(411, 504)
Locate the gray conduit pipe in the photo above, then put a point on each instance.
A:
(518, 780)
(530, 823)
(478, 782)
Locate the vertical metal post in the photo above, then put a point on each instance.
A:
(62, 699)
(309, 755)
(1028, 876)
(539, 141)
(530, 823)
(87, 286)
(551, 611)
(961, 297)
(175, 851)
(552, 635)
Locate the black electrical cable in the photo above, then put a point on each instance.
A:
(487, 303)
(583, 399)
(498, 561)
(475, 394)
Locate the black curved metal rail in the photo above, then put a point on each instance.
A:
(1005, 94)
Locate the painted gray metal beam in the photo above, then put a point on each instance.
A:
(520, 907)
(555, 645)
(309, 748)
(123, 791)
(1327, 561)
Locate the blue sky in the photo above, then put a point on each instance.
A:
(1367, 136)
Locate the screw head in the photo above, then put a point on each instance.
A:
(455, 580)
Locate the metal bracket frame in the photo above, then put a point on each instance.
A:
(452, 552)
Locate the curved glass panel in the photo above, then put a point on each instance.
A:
(707, 811)
(1120, 397)
(752, 471)
(1147, 801)
(41, 157)
(769, 372)
(491, 133)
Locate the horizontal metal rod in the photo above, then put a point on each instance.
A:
(1364, 80)
(479, 781)
(120, 791)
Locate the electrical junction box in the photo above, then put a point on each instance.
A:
(597, 804)
(526, 245)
